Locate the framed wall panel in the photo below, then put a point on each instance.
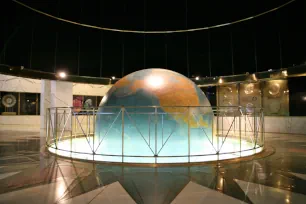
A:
(276, 98)
(228, 95)
(250, 95)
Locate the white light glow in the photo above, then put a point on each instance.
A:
(220, 81)
(104, 99)
(208, 153)
(113, 78)
(285, 73)
(155, 81)
(62, 75)
(197, 78)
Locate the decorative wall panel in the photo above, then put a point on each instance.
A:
(276, 98)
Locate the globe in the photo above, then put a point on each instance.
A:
(153, 114)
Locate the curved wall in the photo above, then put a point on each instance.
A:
(273, 124)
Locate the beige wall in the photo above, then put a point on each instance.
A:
(19, 84)
(272, 124)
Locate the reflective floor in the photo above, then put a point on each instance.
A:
(30, 175)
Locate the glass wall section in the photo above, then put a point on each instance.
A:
(250, 95)
(228, 95)
(86, 102)
(29, 104)
(272, 95)
(297, 96)
(14, 103)
(276, 98)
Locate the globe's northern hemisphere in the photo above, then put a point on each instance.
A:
(153, 113)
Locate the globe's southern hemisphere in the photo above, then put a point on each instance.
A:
(153, 113)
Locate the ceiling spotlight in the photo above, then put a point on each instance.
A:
(113, 78)
(270, 70)
(62, 75)
(285, 73)
(214, 78)
(220, 81)
(197, 78)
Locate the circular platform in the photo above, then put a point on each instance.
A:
(230, 148)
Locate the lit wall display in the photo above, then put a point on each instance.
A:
(276, 97)
(272, 95)
(15, 103)
(85, 102)
(250, 95)
(228, 95)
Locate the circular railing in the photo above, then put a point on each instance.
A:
(155, 134)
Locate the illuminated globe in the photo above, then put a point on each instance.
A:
(153, 115)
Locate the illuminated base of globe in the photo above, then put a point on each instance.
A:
(201, 151)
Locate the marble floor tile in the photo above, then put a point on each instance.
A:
(264, 194)
(5, 175)
(195, 193)
(112, 193)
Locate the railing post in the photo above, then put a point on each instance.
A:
(188, 134)
(217, 135)
(212, 127)
(47, 125)
(255, 138)
(93, 132)
(263, 127)
(71, 125)
(149, 121)
(122, 126)
(245, 123)
(222, 126)
(155, 135)
(64, 116)
(46, 121)
(162, 128)
(240, 112)
(55, 127)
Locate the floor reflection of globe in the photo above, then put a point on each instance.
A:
(160, 107)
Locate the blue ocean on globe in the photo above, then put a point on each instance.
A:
(153, 115)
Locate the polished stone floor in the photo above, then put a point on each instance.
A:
(30, 175)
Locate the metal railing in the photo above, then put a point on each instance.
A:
(155, 134)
